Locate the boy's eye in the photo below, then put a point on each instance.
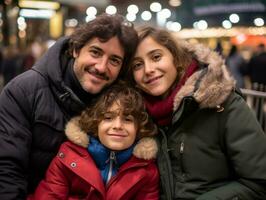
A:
(129, 118)
(108, 116)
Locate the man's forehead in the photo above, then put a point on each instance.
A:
(112, 45)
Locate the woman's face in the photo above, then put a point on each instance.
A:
(153, 67)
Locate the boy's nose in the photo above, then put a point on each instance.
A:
(117, 123)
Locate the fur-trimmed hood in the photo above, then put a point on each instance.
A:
(146, 148)
(210, 86)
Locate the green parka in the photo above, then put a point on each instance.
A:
(214, 149)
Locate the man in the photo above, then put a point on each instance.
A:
(257, 66)
(256, 71)
(35, 106)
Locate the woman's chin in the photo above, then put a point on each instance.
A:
(155, 93)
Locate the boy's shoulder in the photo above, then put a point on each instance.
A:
(69, 148)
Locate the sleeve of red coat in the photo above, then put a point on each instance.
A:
(55, 184)
(150, 191)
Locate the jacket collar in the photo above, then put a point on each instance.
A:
(146, 148)
(52, 67)
(209, 86)
(52, 64)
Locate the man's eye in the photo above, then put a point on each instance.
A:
(95, 53)
(116, 62)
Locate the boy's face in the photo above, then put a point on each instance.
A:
(117, 131)
(98, 64)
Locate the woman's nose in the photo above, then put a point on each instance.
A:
(149, 68)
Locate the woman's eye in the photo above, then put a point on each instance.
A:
(156, 57)
(137, 65)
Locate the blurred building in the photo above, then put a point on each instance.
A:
(239, 22)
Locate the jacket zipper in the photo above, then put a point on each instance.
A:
(112, 160)
(123, 171)
(64, 95)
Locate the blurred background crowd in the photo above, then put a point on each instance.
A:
(234, 28)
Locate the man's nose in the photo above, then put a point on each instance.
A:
(101, 66)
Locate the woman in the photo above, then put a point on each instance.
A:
(211, 146)
(116, 160)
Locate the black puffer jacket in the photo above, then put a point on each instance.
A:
(34, 108)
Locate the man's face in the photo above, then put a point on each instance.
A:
(98, 64)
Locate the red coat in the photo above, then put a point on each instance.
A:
(73, 175)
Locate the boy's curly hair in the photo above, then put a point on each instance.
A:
(131, 102)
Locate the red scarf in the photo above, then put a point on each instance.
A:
(161, 109)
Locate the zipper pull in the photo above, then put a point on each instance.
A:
(182, 146)
(64, 96)
(112, 156)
